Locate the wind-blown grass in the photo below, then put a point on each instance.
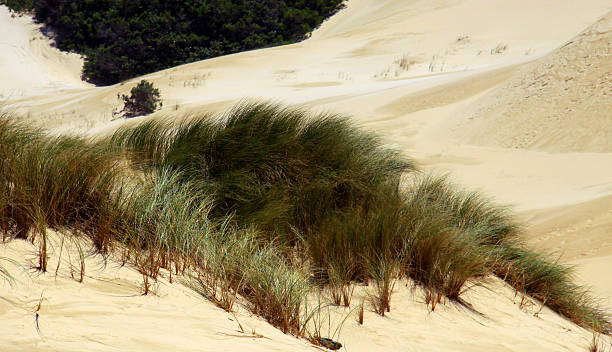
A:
(266, 203)
(83, 187)
(5, 274)
(502, 252)
(272, 166)
(55, 182)
(552, 284)
(332, 191)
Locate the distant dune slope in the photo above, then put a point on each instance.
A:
(582, 235)
(559, 103)
(369, 47)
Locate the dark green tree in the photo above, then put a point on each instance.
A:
(144, 99)
(18, 5)
(122, 39)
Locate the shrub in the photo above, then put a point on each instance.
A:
(143, 100)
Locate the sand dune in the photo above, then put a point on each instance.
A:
(107, 312)
(582, 235)
(476, 88)
(560, 103)
(369, 47)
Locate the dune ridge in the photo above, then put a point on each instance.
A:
(576, 80)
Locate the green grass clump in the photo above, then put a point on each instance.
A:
(55, 182)
(272, 166)
(267, 203)
(83, 187)
(467, 211)
(158, 211)
(496, 234)
(276, 289)
(330, 194)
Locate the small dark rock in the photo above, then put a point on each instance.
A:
(330, 344)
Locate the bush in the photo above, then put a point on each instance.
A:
(143, 100)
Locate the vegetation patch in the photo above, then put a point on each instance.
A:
(19, 5)
(270, 204)
(144, 99)
(122, 39)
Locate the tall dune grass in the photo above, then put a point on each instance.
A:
(496, 233)
(84, 187)
(266, 203)
(269, 165)
(55, 182)
(331, 193)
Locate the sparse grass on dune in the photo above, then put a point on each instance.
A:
(496, 234)
(5, 274)
(267, 203)
(55, 182)
(158, 218)
(552, 284)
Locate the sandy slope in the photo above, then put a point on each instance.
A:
(107, 313)
(582, 233)
(356, 53)
(576, 81)
(28, 64)
(473, 87)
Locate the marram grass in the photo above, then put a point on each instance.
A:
(268, 203)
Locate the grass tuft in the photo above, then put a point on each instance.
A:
(265, 204)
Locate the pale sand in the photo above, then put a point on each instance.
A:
(28, 64)
(107, 313)
(504, 122)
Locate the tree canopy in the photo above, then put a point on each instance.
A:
(122, 39)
